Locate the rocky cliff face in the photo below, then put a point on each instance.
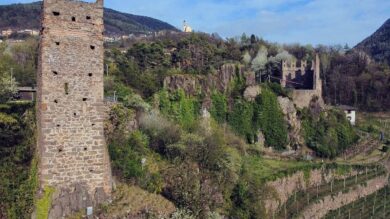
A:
(220, 81)
(294, 124)
(188, 83)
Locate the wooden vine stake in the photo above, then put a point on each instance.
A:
(384, 205)
(344, 182)
(373, 208)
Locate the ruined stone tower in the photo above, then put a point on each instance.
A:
(71, 144)
(305, 82)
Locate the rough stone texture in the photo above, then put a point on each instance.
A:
(285, 187)
(71, 140)
(290, 115)
(307, 82)
(250, 78)
(187, 83)
(68, 200)
(302, 98)
(328, 203)
(226, 75)
(260, 139)
(252, 92)
(112, 122)
(132, 202)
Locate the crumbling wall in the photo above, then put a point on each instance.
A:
(71, 142)
(302, 98)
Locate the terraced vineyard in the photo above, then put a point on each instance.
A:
(376, 206)
(302, 199)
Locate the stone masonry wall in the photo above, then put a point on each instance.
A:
(71, 140)
(302, 98)
(285, 187)
(328, 203)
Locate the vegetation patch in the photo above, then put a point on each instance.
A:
(328, 133)
(18, 165)
(43, 204)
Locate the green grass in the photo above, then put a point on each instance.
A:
(267, 170)
(374, 123)
(7, 119)
(43, 204)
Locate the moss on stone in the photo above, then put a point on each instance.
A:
(43, 204)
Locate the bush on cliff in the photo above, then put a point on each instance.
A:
(218, 107)
(328, 133)
(269, 118)
(18, 168)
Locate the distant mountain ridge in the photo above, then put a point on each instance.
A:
(378, 44)
(27, 16)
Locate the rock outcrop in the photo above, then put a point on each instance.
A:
(69, 200)
(188, 83)
(252, 92)
(290, 115)
(220, 80)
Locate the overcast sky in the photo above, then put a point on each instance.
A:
(285, 21)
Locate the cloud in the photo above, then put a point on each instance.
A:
(286, 21)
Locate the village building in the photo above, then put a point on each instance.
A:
(29, 32)
(7, 33)
(186, 28)
(27, 93)
(350, 112)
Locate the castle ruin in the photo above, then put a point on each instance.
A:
(73, 154)
(305, 81)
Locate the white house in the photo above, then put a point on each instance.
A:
(350, 112)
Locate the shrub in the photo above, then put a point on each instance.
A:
(125, 161)
(180, 108)
(240, 119)
(182, 214)
(116, 127)
(329, 134)
(218, 107)
(161, 131)
(154, 183)
(278, 89)
(126, 158)
(18, 168)
(269, 117)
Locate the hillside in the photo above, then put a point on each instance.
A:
(26, 16)
(378, 44)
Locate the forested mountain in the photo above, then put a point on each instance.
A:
(27, 16)
(378, 44)
(351, 78)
